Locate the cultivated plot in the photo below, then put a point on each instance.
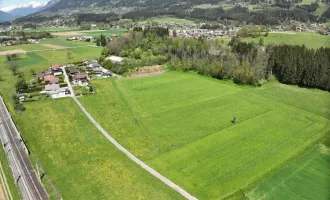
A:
(180, 124)
(308, 177)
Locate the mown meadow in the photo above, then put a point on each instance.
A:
(180, 124)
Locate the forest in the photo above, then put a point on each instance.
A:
(244, 63)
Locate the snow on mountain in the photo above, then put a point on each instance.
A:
(24, 9)
(31, 5)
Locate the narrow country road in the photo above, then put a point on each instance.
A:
(125, 151)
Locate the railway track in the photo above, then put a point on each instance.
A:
(24, 175)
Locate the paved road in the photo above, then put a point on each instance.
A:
(24, 175)
(126, 152)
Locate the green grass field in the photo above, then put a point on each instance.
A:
(307, 177)
(78, 158)
(167, 20)
(180, 124)
(310, 40)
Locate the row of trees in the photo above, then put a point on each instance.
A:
(301, 66)
(244, 63)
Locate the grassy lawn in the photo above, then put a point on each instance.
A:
(80, 161)
(311, 40)
(168, 20)
(180, 123)
(307, 177)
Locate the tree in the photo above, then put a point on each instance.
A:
(267, 32)
(14, 67)
(91, 89)
(69, 55)
(103, 40)
(21, 85)
(98, 42)
(261, 41)
(175, 34)
(32, 72)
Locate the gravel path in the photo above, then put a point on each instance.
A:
(125, 151)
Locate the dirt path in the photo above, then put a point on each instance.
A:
(18, 51)
(2, 194)
(53, 46)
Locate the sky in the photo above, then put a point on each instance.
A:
(12, 3)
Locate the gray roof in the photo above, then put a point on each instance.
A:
(73, 71)
(97, 69)
(52, 87)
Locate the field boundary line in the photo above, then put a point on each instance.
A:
(135, 114)
(290, 106)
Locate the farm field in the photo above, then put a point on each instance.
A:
(80, 161)
(93, 33)
(307, 177)
(167, 20)
(180, 124)
(311, 40)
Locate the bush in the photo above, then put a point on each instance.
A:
(19, 107)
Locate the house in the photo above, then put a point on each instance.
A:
(57, 72)
(74, 71)
(41, 76)
(53, 87)
(80, 79)
(93, 65)
(51, 79)
(55, 67)
(61, 92)
(107, 74)
(115, 59)
(97, 70)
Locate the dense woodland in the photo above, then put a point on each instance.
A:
(244, 63)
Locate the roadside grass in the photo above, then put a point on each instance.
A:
(182, 121)
(306, 177)
(310, 40)
(80, 161)
(9, 176)
(167, 20)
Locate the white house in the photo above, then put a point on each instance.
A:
(115, 59)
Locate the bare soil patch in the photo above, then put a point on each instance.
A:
(147, 71)
(53, 46)
(74, 33)
(18, 51)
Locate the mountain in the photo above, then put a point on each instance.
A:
(50, 4)
(5, 16)
(24, 9)
(264, 12)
